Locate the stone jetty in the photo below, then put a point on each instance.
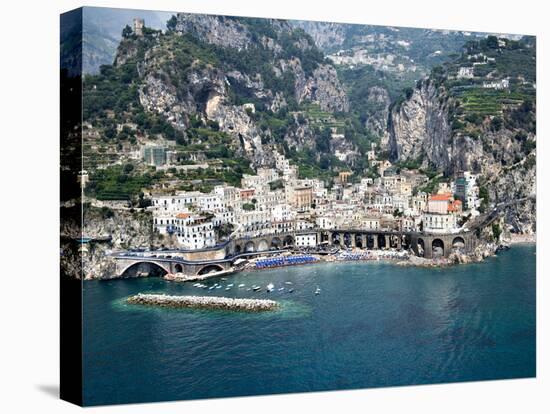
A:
(204, 302)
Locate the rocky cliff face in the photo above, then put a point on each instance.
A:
(379, 110)
(327, 36)
(128, 229)
(322, 87)
(219, 30)
(211, 85)
(419, 129)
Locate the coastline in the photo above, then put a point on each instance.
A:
(400, 258)
(516, 238)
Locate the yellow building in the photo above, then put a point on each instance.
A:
(343, 176)
(302, 198)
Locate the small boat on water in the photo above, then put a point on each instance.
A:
(227, 288)
(317, 291)
(242, 285)
(230, 285)
(281, 289)
(288, 283)
(248, 289)
(290, 290)
(256, 288)
(211, 287)
(219, 287)
(270, 287)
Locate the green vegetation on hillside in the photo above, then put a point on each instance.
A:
(501, 92)
(114, 183)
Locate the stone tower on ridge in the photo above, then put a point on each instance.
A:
(138, 26)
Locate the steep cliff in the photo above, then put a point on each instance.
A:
(212, 75)
(419, 128)
(484, 124)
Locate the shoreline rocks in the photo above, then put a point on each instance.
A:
(204, 302)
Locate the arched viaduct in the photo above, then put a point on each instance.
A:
(421, 244)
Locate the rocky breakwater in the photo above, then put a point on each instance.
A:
(204, 302)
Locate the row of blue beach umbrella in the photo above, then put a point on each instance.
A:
(284, 261)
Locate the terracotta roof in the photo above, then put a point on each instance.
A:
(455, 205)
(440, 197)
(183, 215)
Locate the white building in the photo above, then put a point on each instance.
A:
(400, 202)
(281, 212)
(419, 202)
(177, 202)
(500, 84)
(192, 231)
(300, 225)
(281, 163)
(439, 223)
(209, 202)
(465, 72)
(371, 223)
(326, 221)
(473, 201)
(226, 216)
(229, 195)
(306, 239)
(254, 220)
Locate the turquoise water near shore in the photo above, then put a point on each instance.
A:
(374, 324)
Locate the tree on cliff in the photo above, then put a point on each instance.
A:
(127, 31)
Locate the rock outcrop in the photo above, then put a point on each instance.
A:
(219, 30)
(327, 36)
(122, 229)
(419, 128)
(377, 117)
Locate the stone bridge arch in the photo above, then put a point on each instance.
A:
(263, 245)
(249, 247)
(276, 243)
(151, 267)
(438, 248)
(458, 243)
(288, 241)
(209, 269)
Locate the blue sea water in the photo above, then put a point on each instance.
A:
(373, 325)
